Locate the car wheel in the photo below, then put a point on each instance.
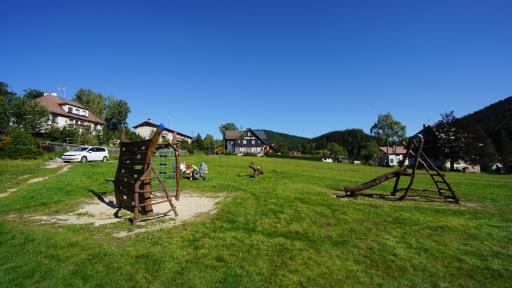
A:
(83, 160)
(105, 159)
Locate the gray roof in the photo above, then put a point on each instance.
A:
(261, 134)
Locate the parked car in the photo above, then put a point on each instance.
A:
(85, 154)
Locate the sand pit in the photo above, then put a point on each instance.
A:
(101, 211)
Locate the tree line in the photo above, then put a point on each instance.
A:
(455, 139)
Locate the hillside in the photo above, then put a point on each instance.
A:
(292, 142)
(493, 118)
(352, 139)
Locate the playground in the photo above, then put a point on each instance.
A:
(282, 228)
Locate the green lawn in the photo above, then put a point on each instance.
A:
(17, 172)
(281, 229)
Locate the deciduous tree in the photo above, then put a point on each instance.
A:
(227, 126)
(116, 113)
(387, 130)
(93, 101)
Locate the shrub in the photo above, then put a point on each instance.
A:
(21, 146)
(21, 152)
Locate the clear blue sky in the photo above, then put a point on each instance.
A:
(301, 67)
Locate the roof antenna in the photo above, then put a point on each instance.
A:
(61, 91)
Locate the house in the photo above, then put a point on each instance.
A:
(391, 156)
(246, 142)
(147, 128)
(67, 113)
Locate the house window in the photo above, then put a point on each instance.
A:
(391, 161)
(248, 133)
(253, 141)
(55, 118)
(70, 110)
(245, 141)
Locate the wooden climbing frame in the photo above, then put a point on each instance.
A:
(415, 154)
(137, 180)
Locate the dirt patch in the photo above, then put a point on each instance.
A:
(9, 191)
(98, 212)
(54, 163)
(38, 179)
(50, 164)
(65, 169)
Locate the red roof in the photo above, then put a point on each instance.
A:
(54, 105)
(393, 150)
(150, 123)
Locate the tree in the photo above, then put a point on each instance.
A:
(450, 138)
(116, 113)
(28, 115)
(503, 146)
(32, 94)
(336, 150)
(307, 148)
(369, 152)
(93, 101)
(478, 148)
(197, 142)
(227, 126)
(208, 144)
(185, 145)
(6, 99)
(387, 130)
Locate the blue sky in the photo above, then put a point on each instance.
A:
(300, 67)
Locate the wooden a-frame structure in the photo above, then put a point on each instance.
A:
(415, 154)
(134, 182)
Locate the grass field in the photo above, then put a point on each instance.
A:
(281, 229)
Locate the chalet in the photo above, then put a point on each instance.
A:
(391, 156)
(67, 113)
(246, 142)
(147, 128)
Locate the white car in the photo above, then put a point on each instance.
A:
(85, 154)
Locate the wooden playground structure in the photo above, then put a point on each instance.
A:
(138, 179)
(256, 170)
(415, 154)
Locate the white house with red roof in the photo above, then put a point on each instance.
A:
(392, 156)
(68, 113)
(147, 128)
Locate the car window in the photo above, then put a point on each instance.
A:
(101, 149)
(81, 149)
(91, 149)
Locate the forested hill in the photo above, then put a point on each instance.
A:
(287, 140)
(352, 140)
(493, 118)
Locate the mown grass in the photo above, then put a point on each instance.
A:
(281, 229)
(14, 173)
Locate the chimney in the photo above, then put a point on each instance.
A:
(149, 120)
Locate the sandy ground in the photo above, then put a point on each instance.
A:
(98, 212)
(54, 163)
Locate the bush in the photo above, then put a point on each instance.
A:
(22, 146)
(21, 152)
